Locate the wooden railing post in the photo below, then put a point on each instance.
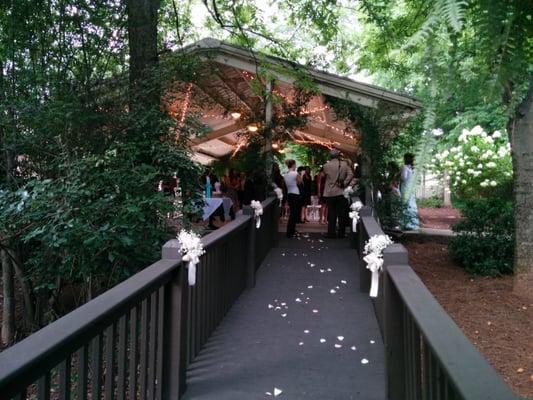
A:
(390, 308)
(175, 328)
(250, 257)
(393, 337)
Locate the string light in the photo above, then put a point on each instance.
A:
(235, 115)
(240, 144)
(186, 103)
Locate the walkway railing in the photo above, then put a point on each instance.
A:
(136, 340)
(427, 355)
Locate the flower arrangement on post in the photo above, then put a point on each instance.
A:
(354, 214)
(258, 211)
(374, 259)
(191, 249)
(348, 191)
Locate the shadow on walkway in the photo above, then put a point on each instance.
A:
(307, 291)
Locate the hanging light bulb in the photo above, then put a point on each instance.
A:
(235, 115)
(275, 145)
(252, 128)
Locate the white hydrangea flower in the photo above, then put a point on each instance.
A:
(491, 164)
(493, 183)
(496, 135)
(480, 166)
(437, 132)
(484, 184)
(464, 181)
(474, 149)
(489, 140)
(470, 171)
(476, 131)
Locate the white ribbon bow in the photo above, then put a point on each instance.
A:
(191, 266)
(258, 211)
(375, 264)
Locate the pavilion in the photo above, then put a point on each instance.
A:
(227, 102)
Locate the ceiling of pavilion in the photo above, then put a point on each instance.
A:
(226, 87)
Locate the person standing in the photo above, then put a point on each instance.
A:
(292, 180)
(410, 210)
(320, 185)
(338, 176)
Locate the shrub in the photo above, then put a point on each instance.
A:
(431, 202)
(484, 244)
(478, 165)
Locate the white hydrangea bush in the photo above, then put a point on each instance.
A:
(479, 163)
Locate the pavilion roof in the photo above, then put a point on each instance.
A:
(227, 87)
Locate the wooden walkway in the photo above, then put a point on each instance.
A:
(305, 329)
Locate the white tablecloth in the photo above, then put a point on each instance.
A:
(212, 203)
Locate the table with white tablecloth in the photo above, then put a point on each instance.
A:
(212, 204)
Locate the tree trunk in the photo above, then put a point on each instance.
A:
(142, 36)
(8, 306)
(521, 136)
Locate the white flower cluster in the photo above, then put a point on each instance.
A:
(279, 193)
(191, 249)
(354, 213)
(374, 259)
(348, 191)
(479, 161)
(258, 211)
(376, 244)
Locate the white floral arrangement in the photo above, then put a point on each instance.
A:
(279, 193)
(354, 214)
(479, 161)
(191, 249)
(348, 191)
(374, 259)
(258, 211)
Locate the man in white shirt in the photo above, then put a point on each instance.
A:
(292, 179)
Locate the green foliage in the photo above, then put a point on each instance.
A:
(431, 202)
(484, 244)
(312, 155)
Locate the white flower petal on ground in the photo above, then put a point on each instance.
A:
(301, 344)
(277, 308)
(322, 270)
(310, 287)
(268, 393)
(372, 342)
(322, 340)
(353, 348)
(277, 392)
(283, 304)
(329, 269)
(343, 282)
(340, 338)
(315, 311)
(338, 346)
(298, 300)
(333, 291)
(306, 331)
(283, 315)
(364, 361)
